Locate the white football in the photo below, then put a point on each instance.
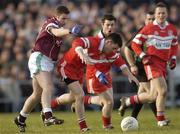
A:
(129, 123)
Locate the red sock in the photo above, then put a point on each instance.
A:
(54, 103)
(82, 123)
(106, 121)
(134, 100)
(160, 116)
(87, 100)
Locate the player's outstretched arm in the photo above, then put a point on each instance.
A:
(59, 32)
(130, 76)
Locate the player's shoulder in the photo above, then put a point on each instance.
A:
(149, 26)
(52, 21)
(171, 26)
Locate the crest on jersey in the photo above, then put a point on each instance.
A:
(58, 43)
(170, 32)
(156, 33)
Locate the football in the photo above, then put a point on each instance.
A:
(129, 123)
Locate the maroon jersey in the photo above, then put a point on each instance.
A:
(46, 42)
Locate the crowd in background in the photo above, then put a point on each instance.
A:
(20, 22)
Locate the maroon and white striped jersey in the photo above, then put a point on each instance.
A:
(46, 42)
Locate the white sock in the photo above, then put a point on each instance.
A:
(127, 101)
(23, 114)
(47, 110)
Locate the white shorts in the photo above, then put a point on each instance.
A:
(39, 62)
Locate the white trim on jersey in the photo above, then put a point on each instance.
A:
(149, 72)
(141, 35)
(51, 25)
(86, 42)
(162, 27)
(173, 57)
(115, 56)
(100, 35)
(123, 66)
(137, 41)
(162, 38)
(142, 54)
(102, 43)
(101, 61)
(62, 70)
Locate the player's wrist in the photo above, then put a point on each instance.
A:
(70, 31)
(132, 65)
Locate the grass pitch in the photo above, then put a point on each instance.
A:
(146, 121)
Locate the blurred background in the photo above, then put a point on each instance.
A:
(20, 21)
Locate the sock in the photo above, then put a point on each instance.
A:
(82, 123)
(87, 100)
(160, 116)
(54, 103)
(153, 107)
(106, 121)
(134, 100)
(136, 110)
(47, 113)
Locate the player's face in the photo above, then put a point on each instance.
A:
(108, 27)
(62, 18)
(161, 14)
(110, 47)
(149, 19)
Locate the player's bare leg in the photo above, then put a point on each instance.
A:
(66, 98)
(88, 99)
(29, 104)
(107, 103)
(45, 81)
(160, 85)
(78, 93)
(144, 97)
(143, 86)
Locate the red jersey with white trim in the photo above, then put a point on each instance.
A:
(46, 42)
(71, 56)
(103, 62)
(160, 41)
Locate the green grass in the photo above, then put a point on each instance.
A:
(147, 124)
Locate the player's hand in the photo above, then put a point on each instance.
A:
(172, 64)
(147, 60)
(102, 77)
(134, 69)
(86, 59)
(75, 30)
(83, 56)
(132, 78)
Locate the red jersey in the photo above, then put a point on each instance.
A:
(103, 62)
(46, 42)
(160, 41)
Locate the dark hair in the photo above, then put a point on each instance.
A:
(150, 13)
(161, 4)
(108, 17)
(116, 38)
(62, 9)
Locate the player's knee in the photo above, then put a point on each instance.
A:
(109, 102)
(79, 96)
(163, 93)
(35, 97)
(151, 97)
